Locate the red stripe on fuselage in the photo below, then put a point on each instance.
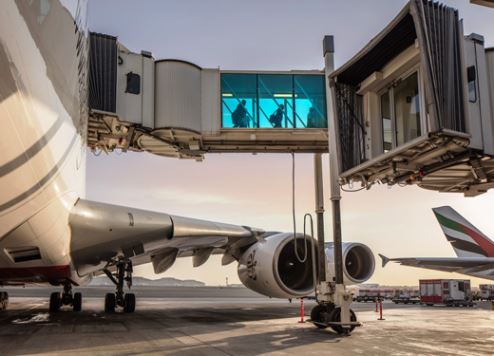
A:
(484, 244)
(51, 274)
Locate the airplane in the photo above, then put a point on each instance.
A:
(474, 250)
(49, 232)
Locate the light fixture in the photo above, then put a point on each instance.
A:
(283, 95)
(229, 95)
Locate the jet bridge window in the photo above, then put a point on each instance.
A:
(273, 101)
(400, 113)
(239, 100)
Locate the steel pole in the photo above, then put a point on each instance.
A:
(319, 199)
(334, 158)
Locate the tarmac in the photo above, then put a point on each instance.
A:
(233, 321)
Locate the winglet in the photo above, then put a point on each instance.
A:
(384, 259)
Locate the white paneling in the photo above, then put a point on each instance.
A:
(210, 103)
(178, 95)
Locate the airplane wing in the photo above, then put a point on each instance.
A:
(464, 265)
(102, 232)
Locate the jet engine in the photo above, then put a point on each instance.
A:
(358, 262)
(271, 267)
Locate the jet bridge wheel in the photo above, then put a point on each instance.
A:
(335, 316)
(319, 315)
(4, 300)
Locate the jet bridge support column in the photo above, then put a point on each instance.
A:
(318, 184)
(341, 318)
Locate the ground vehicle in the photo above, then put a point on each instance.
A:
(406, 296)
(449, 292)
(486, 291)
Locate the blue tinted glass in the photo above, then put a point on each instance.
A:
(310, 101)
(238, 100)
(275, 101)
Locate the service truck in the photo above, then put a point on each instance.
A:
(406, 296)
(449, 292)
(486, 291)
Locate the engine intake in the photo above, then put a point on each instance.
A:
(270, 267)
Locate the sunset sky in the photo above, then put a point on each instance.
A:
(255, 190)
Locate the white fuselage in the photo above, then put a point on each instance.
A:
(43, 124)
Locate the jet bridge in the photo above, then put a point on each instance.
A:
(415, 105)
(178, 109)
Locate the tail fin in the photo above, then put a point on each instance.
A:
(466, 239)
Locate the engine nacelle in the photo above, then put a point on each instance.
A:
(358, 262)
(270, 267)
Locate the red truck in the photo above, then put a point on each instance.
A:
(449, 292)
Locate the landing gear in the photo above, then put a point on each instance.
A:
(326, 314)
(4, 300)
(123, 274)
(57, 299)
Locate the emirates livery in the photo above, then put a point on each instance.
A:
(475, 250)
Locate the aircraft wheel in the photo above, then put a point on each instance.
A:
(318, 314)
(77, 302)
(55, 302)
(129, 303)
(335, 316)
(110, 302)
(4, 300)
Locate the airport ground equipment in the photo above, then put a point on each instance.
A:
(177, 109)
(449, 292)
(406, 296)
(415, 106)
(486, 291)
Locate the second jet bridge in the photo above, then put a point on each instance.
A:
(178, 109)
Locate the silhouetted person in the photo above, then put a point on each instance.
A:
(239, 115)
(312, 118)
(277, 117)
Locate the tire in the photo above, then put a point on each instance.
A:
(317, 316)
(129, 303)
(77, 302)
(335, 316)
(4, 300)
(110, 302)
(55, 302)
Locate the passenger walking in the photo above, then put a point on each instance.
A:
(312, 118)
(239, 115)
(277, 117)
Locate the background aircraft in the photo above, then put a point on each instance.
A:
(475, 250)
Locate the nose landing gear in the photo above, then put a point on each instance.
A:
(123, 274)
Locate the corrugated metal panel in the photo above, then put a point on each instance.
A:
(351, 125)
(178, 95)
(102, 72)
(438, 31)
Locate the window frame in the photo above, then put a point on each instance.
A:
(389, 88)
(292, 75)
